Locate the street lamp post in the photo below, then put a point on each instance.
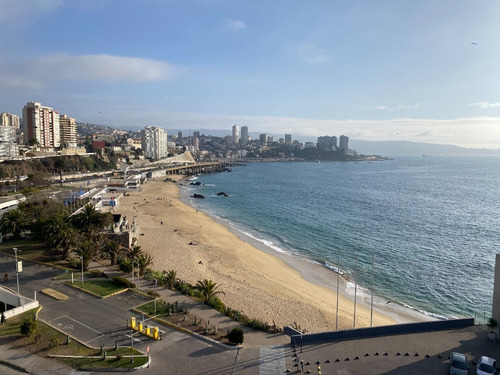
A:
(17, 271)
(82, 269)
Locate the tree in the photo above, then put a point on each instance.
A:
(88, 250)
(171, 278)
(144, 261)
(89, 220)
(113, 249)
(134, 252)
(14, 221)
(59, 165)
(60, 235)
(207, 289)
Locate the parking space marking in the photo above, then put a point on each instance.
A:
(76, 321)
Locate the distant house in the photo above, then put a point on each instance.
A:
(99, 145)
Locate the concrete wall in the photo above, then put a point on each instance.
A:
(398, 329)
(495, 314)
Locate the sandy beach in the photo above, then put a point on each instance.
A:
(262, 285)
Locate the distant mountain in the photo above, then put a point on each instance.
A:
(391, 148)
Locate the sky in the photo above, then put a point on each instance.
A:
(423, 71)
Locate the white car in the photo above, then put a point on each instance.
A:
(486, 366)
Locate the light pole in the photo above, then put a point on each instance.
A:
(81, 257)
(17, 271)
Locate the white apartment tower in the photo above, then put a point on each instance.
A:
(236, 134)
(68, 131)
(154, 142)
(244, 135)
(8, 119)
(42, 124)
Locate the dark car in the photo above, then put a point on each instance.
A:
(458, 364)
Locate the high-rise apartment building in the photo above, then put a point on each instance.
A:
(41, 124)
(263, 139)
(288, 139)
(68, 131)
(344, 142)
(327, 142)
(8, 119)
(8, 147)
(179, 137)
(244, 135)
(154, 142)
(236, 135)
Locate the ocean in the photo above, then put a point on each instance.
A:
(430, 223)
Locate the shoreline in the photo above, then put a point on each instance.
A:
(321, 275)
(260, 282)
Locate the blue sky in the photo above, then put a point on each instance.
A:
(373, 70)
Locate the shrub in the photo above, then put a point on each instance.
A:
(153, 293)
(123, 282)
(125, 265)
(29, 327)
(217, 304)
(96, 273)
(235, 336)
(257, 324)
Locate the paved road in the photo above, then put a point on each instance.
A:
(96, 321)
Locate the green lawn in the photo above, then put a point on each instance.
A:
(101, 287)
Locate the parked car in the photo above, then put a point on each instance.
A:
(458, 364)
(486, 366)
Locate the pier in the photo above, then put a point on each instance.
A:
(197, 168)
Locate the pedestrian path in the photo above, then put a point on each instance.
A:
(272, 360)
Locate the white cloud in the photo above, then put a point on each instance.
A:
(397, 107)
(235, 25)
(484, 105)
(38, 72)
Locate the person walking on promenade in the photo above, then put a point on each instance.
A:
(6, 277)
(2, 318)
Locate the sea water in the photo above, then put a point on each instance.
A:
(432, 225)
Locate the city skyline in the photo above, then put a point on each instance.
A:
(423, 72)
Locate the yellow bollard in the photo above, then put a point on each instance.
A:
(132, 322)
(155, 333)
(139, 327)
(147, 330)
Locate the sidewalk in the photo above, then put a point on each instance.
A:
(253, 338)
(32, 363)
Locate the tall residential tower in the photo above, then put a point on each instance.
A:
(41, 123)
(154, 142)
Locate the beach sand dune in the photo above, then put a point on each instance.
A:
(258, 284)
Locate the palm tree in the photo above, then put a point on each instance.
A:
(60, 235)
(14, 221)
(171, 278)
(134, 252)
(90, 220)
(112, 248)
(88, 250)
(59, 165)
(144, 261)
(208, 289)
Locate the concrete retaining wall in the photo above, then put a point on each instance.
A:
(399, 329)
